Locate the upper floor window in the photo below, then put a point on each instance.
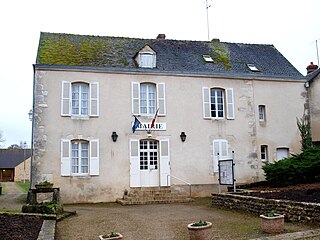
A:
(262, 113)
(218, 103)
(80, 99)
(147, 98)
(79, 157)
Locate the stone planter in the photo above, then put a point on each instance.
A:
(200, 232)
(101, 237)
(272, 224)
(42, 186)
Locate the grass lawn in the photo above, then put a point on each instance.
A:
(24, 186)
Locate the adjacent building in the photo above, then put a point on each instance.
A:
(15, 165)
(212, 100)
(313, 86)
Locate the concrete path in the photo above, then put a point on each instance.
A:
(12, 197)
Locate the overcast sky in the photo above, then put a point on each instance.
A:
(292, 26)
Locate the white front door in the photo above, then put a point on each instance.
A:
(149, 163)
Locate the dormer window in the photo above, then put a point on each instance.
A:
(146, 57)
(147, 60)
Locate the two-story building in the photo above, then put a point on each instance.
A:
(212, 98)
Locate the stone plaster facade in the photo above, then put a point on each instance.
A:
(190, 160)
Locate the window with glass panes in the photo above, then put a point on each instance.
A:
(264, 152)
(216, 103)
(80, 157)
(148, 155)
(147, 98)
(80, 98)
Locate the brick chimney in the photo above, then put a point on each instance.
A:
(311, 68)
(161, 36)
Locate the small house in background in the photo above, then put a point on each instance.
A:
(313, 86)
(14, 165)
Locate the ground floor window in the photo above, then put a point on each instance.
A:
(264, 152)
(282, 152)
(80, 157)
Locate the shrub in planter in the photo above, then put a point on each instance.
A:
(111, 235)
(200, 230)
(44, 184)
(272, 222)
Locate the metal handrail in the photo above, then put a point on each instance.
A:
(189, 184)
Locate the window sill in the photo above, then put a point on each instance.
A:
(80, 117)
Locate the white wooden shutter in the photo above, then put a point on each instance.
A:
(161, 98)
(66, 99)
(65, 157)
(164, 163)
(135, 92)
(219, 146)
(206, 102)
(230, 103)
(94, 99)
(134, 163)
(94, 157)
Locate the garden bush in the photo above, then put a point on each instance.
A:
(301, 168)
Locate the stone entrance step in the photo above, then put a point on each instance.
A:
(154, 195)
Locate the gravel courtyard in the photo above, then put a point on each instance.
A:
(162, 221)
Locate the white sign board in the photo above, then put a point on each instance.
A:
(143, 126)
(226, 176)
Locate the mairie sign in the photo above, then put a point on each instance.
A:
(143, 126)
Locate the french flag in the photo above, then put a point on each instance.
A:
(154, 119)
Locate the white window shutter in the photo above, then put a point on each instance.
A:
(219, 146)
(94, 99)
(134, 163)
(165, 163)
(65, 157)
(66, 99)
(230, 103)
(135, 92)
(94, 157)
(206, 102)
(161, 98)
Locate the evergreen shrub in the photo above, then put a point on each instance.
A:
(301, 168)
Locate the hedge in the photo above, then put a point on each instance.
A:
(301, 168)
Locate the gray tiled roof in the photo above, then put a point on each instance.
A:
(10, 158)
(172, 55)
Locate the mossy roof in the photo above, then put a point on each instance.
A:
(172, 55)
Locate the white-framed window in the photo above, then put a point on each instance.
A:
(218, 103)
(262, 113)
(147, 60)
(79, 157)
(149, 155)
(80, 99)
(147, 98)
(220, 152)
(264, 153)
(282, 153)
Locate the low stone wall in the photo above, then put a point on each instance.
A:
(293, 211)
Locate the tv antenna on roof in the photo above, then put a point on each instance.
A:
(207, 9)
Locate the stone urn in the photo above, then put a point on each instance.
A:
(272, 224)
(200, 231)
